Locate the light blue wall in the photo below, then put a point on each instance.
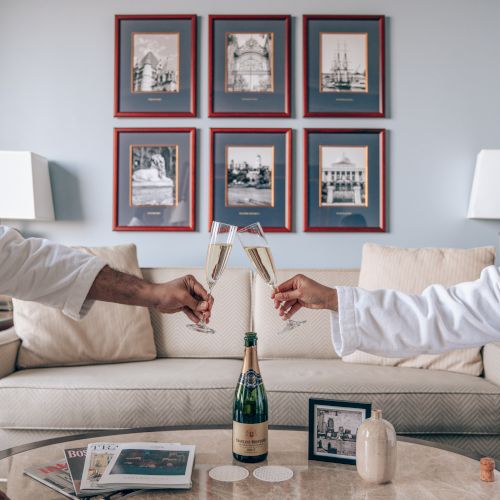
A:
(56, 98)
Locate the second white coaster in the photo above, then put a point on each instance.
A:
(273, 473)
(228, 473)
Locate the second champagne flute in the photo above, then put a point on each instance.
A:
(254, 241)
(219, 248)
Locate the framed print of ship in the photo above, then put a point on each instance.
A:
(154, 179)
(250, 177)
(343, 66)
(155, 65)
(344, 179)
(249, 66)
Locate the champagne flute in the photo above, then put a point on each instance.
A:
(255, 244)
(219, 248)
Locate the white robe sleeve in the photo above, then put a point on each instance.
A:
(37, 270)
(395, 324)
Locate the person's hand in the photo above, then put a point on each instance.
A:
(301, 291)
(183, 294)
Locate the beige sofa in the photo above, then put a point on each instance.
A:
(193, 378)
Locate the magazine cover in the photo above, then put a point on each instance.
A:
(98, 457)
(55, 475)
(150, 465)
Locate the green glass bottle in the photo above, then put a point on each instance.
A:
(250, 413)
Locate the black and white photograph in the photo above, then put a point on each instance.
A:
(153, 171)
(343, 65)
(250, 176)
(249, 62)
(333, 426)
(343, 176)
(155, 59)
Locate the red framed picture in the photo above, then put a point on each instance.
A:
(344, 180)
(154, 179)
(155, 65)
(344, 66)
(251, 177)
(249, 66)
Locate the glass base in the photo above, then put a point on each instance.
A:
(201, 328)
(290, 325)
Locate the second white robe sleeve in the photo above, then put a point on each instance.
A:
(395, 324)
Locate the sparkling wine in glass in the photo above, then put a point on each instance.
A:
(254, 241)
(219, 248)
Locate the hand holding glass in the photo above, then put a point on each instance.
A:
(254, 241)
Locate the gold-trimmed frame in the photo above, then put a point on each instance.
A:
(321, 33)
(176, 173)
(178, 61)
(225, 62)
(226, 164)
(320, 164)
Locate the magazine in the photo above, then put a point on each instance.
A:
(75, 458)
(150, 465)
(98, 457)
(54, 475)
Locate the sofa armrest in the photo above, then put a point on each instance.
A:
(491, 361)
(9, 345)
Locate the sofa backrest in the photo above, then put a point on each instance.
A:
(242, 303)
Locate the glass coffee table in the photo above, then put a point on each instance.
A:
(425, 470)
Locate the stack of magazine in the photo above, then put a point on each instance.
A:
(116, 470)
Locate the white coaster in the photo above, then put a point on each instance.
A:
(228, 473)
(273, 473)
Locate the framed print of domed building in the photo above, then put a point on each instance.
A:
(249, 66)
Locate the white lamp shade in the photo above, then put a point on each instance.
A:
(485, 195)
(25, 192)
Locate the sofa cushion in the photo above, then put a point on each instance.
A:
(230, 317)
(108, 333)
(200, 391)
(411, 270)
(310, 340)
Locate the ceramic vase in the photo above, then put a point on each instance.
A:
(376, 449)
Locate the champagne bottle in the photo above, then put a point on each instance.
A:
(250, 414)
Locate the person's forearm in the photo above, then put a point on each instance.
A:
(114, 286)
(391, 323)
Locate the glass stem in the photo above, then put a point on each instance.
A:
(202, 321)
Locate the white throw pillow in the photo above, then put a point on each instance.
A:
(411, 270)
(109, 333)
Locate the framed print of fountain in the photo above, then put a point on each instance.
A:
(344, 179)
(249, 66)
(155, 65)
(250, 177)
(154, 179)
(343, 66)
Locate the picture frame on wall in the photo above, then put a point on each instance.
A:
(249, 65)
(333, 426)
(155, 65)
(344, 179)
(344, 66)
(154, 179)
(251, 177)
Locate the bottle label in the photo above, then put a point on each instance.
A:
(249, 439)
(250, 379)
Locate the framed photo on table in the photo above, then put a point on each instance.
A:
(344, 179)
(249, 66)
(333, 426)
(155, 65)
(344, 68)
(251, 177)
(154, 179)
